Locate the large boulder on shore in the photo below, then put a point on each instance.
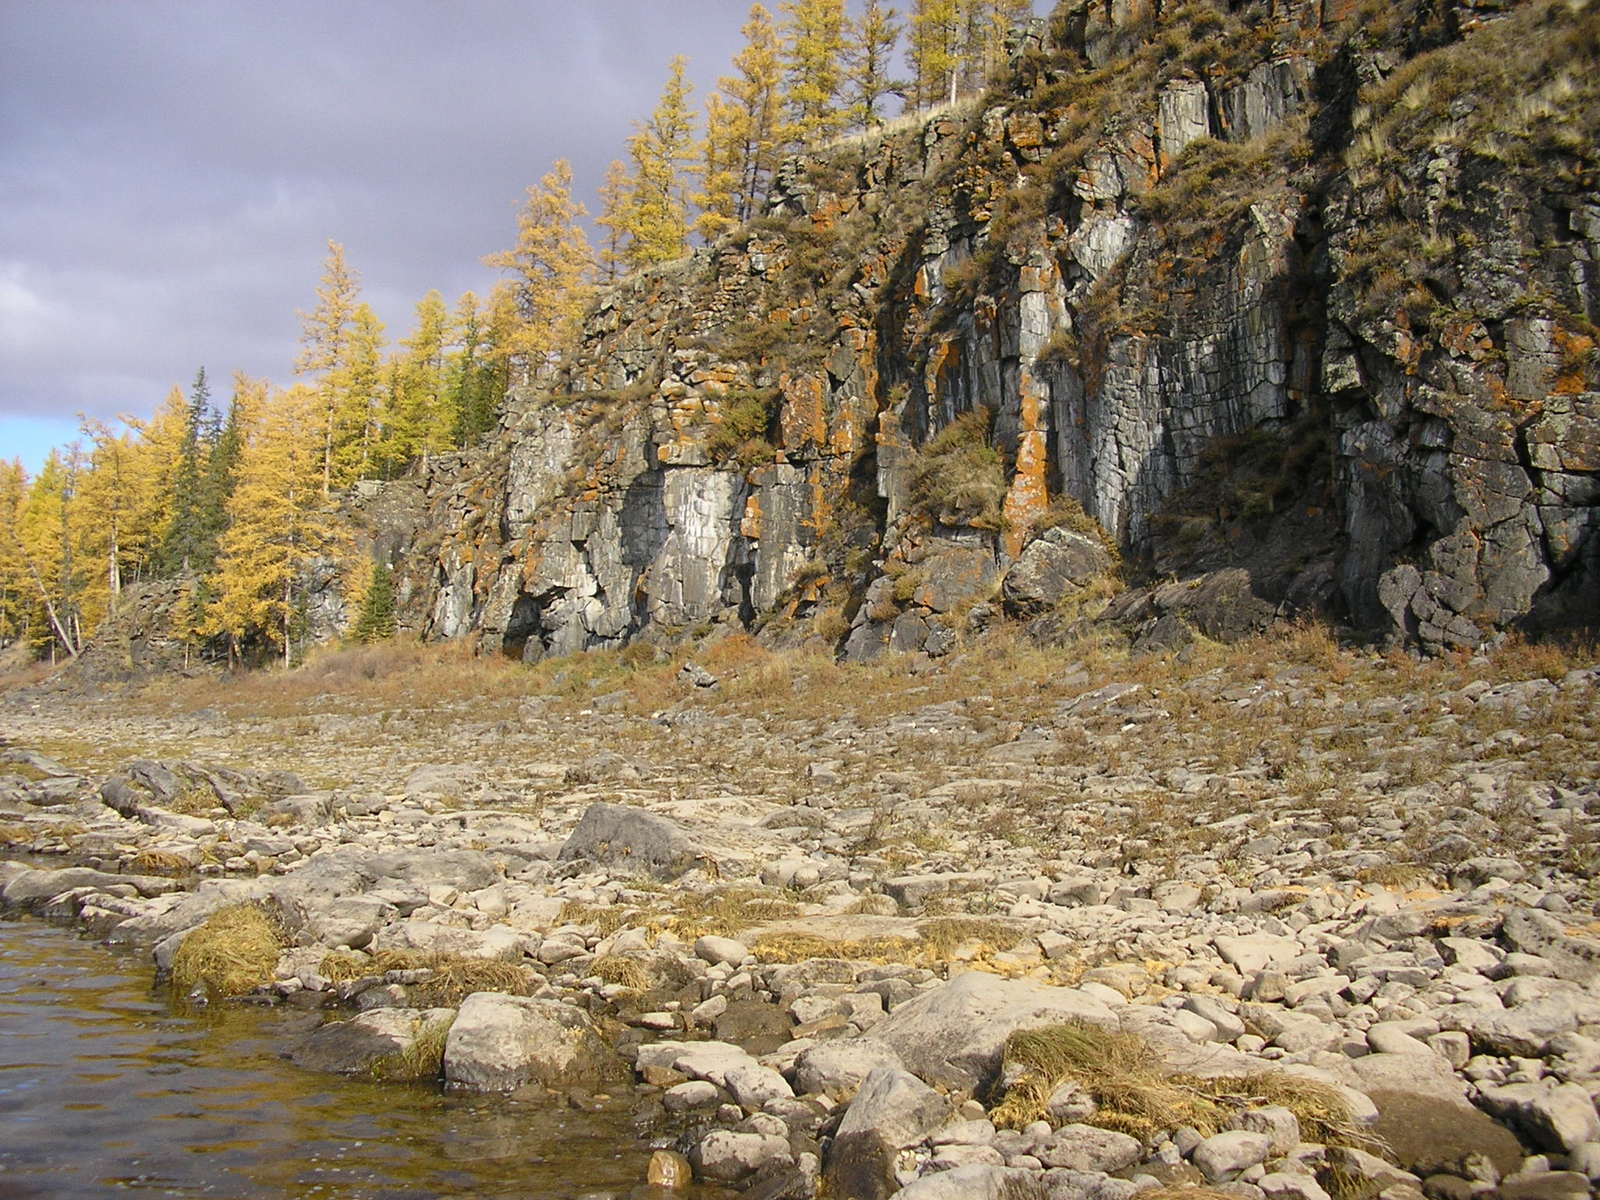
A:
(892, 1110)
(953, 1035)
(31, 888)
(501, 1042)
(366, 1041)
(619, 836)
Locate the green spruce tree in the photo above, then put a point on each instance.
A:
(375, 621)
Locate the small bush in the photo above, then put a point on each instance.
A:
(743, 434)
(958, 477)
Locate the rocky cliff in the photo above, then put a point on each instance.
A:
(1295, 300)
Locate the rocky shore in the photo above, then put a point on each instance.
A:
(1309, 928)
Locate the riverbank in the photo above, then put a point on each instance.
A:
(797, 910)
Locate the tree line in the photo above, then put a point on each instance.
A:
(803, 78)
(236, 500)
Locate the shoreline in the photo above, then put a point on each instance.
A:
(814, 963)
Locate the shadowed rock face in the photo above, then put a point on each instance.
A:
(1137, 271)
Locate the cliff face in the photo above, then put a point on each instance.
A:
(1297, 301)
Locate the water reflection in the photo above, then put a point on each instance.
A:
(105, 1087)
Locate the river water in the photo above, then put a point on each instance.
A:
(107, 1086)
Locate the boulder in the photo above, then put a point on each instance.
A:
(498, 942)
(500, 1042)
(1226, 1154)
(1057, 562)
(836, 1069)
(1574, 957)
(728, 1156)
(953, 1035)
(629, 838)
(364, 1041)
(1089, 1148)
(976, 1182)
(34, 887)
(1425, 1115)
(892, 1110)
(1256, 951)
(1557, 1117)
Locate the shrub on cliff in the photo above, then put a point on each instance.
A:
(742, 435)
(958, 478)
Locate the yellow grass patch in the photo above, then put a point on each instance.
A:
(232, 954)
(451, 977)
(1136, 1096)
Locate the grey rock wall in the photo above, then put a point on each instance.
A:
(897, 283)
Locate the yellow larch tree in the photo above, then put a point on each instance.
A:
(17, 598)
(277, 522)
(868, 64)
(421, 420)
(719, 171)
(755, 90)
(356, 388)
(42, 542)
(550, 269)
(324, 338)
(161, 441)
(662, 149)
(938, 30)
(613, 218)
(813, 50)
(115, 495)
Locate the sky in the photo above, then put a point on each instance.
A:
(171, 172)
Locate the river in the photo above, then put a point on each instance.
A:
(108, 1086)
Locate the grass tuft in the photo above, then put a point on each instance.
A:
(452, 977)
(422, 1059)
(159, 862)
(232, 954)
(624, 971)
(935, 944)
(1136, 1096)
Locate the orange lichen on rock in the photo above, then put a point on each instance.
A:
(1029, 495)
(803, 419)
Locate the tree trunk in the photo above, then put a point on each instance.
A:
(49, 606)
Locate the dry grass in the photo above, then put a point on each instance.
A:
(1136, 1096)
(1400, 876)
(958, 476)
(423, 1059)
(722, 912)
(159, 862)
(936, 943)
(450, 979)
(232, 954)
(395, 672)
(604, 919)
(196, 800)
(15, 835)
(623, 971)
